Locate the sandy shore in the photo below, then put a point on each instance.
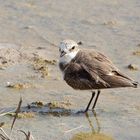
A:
(30, 33)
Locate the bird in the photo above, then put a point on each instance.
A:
(89, 69)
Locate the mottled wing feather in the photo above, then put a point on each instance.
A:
(79, 78)
(100, 83)
(107, 63)
(100, 67)
(95, 61)
(101, 57)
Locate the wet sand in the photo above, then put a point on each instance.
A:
(31, 30)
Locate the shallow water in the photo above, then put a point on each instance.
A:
(35, 28)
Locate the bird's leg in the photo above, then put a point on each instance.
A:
(98, 93)
(93, 94)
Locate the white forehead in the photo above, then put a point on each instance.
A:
(65, 44)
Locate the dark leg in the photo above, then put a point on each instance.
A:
(93, 94)
(98, 93)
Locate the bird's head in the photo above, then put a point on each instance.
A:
(68, 48)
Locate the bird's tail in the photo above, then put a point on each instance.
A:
(135, 84)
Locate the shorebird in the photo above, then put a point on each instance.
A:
(88, 69)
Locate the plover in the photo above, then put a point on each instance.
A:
(88, 69)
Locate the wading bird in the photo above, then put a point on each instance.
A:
(88, 69)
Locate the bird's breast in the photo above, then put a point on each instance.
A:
(62, 66)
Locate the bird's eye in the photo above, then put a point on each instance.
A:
(73, 48)
(59, 50)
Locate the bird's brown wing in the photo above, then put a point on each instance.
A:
(78, 77)
(94, 61)
(98, 65)
(102, 58)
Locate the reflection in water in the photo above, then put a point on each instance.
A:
(91, 125)
(95, 132)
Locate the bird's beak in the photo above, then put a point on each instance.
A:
(62, 54)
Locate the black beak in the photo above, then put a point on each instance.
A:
(62, 53)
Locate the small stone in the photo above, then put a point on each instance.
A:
(136, 53)
(1, 124)
(132, 67)
(40, 48)
(80, 43)
(28, 27)
(38, 103)
(110, 23)
(18, 85)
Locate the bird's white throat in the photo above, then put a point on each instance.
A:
(68, 57)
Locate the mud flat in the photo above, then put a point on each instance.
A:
(30, 33)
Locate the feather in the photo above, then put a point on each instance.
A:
(91, 70)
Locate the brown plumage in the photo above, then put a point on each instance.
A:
(90, 69)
